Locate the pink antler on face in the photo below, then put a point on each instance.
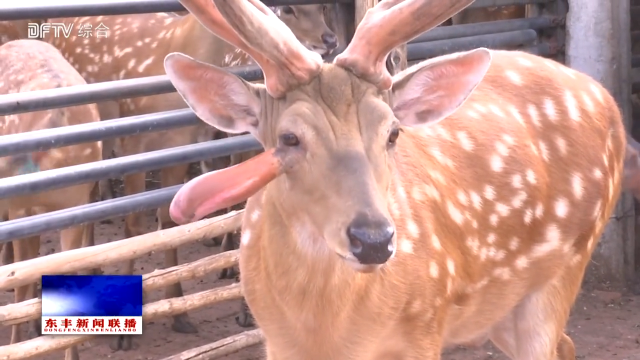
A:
(387, 25)
(255, 29)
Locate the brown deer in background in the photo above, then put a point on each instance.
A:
(30, 65)
(135, 46)
(391, 217)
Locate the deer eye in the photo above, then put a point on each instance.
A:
(393, 136)
(289, 139)
(287, 10)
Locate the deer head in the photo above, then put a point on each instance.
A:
(329, 130)
(308, 24)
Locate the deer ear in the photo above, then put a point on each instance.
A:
(433, 90)
(218, 98)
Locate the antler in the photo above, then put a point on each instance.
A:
(255, 29)
(387, 25)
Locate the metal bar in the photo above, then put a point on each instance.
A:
(62, 219)
(78, 174)
(483, 28)
(492, 41)
(635, 61)
(41, 140)
(43, 9)
(488, 3)
(92, 93)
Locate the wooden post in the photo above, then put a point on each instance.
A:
(397, 59)
(598, 44)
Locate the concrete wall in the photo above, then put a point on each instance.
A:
(598, 44)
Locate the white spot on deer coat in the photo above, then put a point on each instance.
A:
(496, 163)
(572, 105)
(502, 209)
(597, 173)
(433, 269)
(489, 192)
(531, 176)
(514, 77)
(519, 199)
(413, 229)
(577, 186)
(528, 216)
(435, 241)
(550, 109)
(522, 262)
(496, 110)
(455, 213)
(562, 208)
(476, 200)
(516, 181)
(406, 246)
(544, 151)
(551, 241)
(145, 64)
(464, 140)
(588, 103)
(245, 237)
(534, 114)
(597, 92)
(255, 215)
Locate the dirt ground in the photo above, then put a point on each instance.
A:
(604, 324)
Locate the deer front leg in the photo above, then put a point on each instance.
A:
(133, 226)
(73, 238)
(244, 318)
(169, 177)
(25, 249)
(534, 330)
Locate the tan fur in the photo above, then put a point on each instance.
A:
(135, 47)
(476, 221)
(30, 65)
(509, 246)
(14, 30)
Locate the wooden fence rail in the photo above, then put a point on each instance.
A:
(162, 308)
(222, 347)
(30, 271)
(31, 309)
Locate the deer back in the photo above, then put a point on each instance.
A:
(31, 65)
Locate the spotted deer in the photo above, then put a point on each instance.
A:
(135, 46)
(390, 217)
(30, 65)
(14, 30)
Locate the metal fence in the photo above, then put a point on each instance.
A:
(537, 34)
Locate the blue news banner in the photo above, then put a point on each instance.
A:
(91, 304)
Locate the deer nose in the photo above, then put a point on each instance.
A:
(330, 40)
(370, 239)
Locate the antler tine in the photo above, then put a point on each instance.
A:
(387, 25)
(259, 27)
(281, 73)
